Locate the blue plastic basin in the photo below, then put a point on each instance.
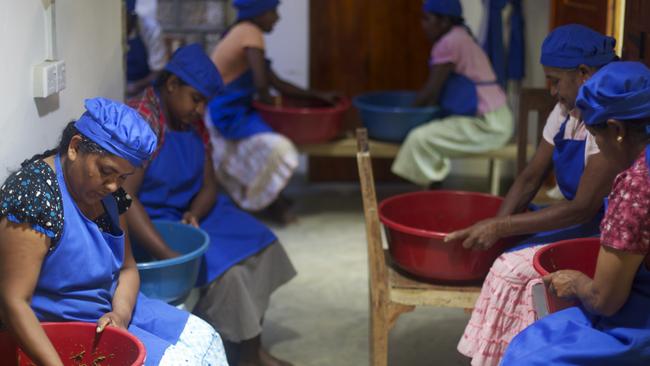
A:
(388, 115)
(171, 280)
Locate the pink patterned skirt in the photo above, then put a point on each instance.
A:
(503, 309)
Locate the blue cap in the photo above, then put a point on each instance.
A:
(444, 7)
(247, 9)
(570, 46)
(194, 67)
(130, 6)
(118, 129)
(620, 90)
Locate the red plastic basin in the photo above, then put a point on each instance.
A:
(305, 121)
(416, 224)
(78, 343)
(578, 254)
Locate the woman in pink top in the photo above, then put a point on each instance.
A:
(252, 162)
(461, 81)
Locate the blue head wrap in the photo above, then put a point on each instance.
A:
(444, 7)
(620, 91)
(193, 66)
(130, 6)
(118, 129)
(247, 9)
(570, 46)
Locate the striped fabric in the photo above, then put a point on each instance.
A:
(254, 170)
(503, 309)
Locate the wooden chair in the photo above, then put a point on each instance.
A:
(531, 100)
(392, 294)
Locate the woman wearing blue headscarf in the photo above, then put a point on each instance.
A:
(244, 263)
(253, 163)
(612, 325)
(571, 54)
(475, 115)
(64, 249)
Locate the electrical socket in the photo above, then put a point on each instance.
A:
(45, 79)
(60, 75)
(49, 78)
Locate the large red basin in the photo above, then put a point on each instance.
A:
(305, 121)
(577, 254)
(78, 344)
(416, 224)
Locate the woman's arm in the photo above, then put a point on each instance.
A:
(127, 289)
(22, 251)
(610, 288)
(204, 201)
(595, 183)
(430, 92)
(139, 224)
(261, 77)
(264, 78)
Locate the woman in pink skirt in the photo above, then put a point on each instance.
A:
(570, 55)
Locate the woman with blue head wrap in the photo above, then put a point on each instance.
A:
(474, 116)
(612, 324)
(253, 163)
(64, 248)
(244, 262)
(571, 54)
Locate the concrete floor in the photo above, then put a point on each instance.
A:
(321, 317)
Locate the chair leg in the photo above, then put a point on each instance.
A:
(379, 328)
(495, 176)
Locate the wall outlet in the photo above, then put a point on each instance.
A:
(49, 78)
(60, 75)
(45, 79)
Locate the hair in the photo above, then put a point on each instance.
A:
(163, 77)
(86, 145)
(636, 128)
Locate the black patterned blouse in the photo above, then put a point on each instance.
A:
(31, 195)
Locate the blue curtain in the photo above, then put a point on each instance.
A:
(512, 66)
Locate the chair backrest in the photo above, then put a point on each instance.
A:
(531, 99)
(378, 272)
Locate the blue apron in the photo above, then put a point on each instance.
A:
(170, 183)
(459, 96)
(232, 113)
(569, 163)
(78, 279)
(573, 336)
(137, 60)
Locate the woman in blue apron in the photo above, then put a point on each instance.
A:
(146, 55)
(64, 254)
(252, 162)
(244, 262)
(612, 325)
(474, 116)
(570, 55)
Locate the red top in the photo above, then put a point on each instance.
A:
(626, 225)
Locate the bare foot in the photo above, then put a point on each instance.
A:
(280, 211)
(267, 359)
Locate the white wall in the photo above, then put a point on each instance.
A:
(89, 37)
(288, 44)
